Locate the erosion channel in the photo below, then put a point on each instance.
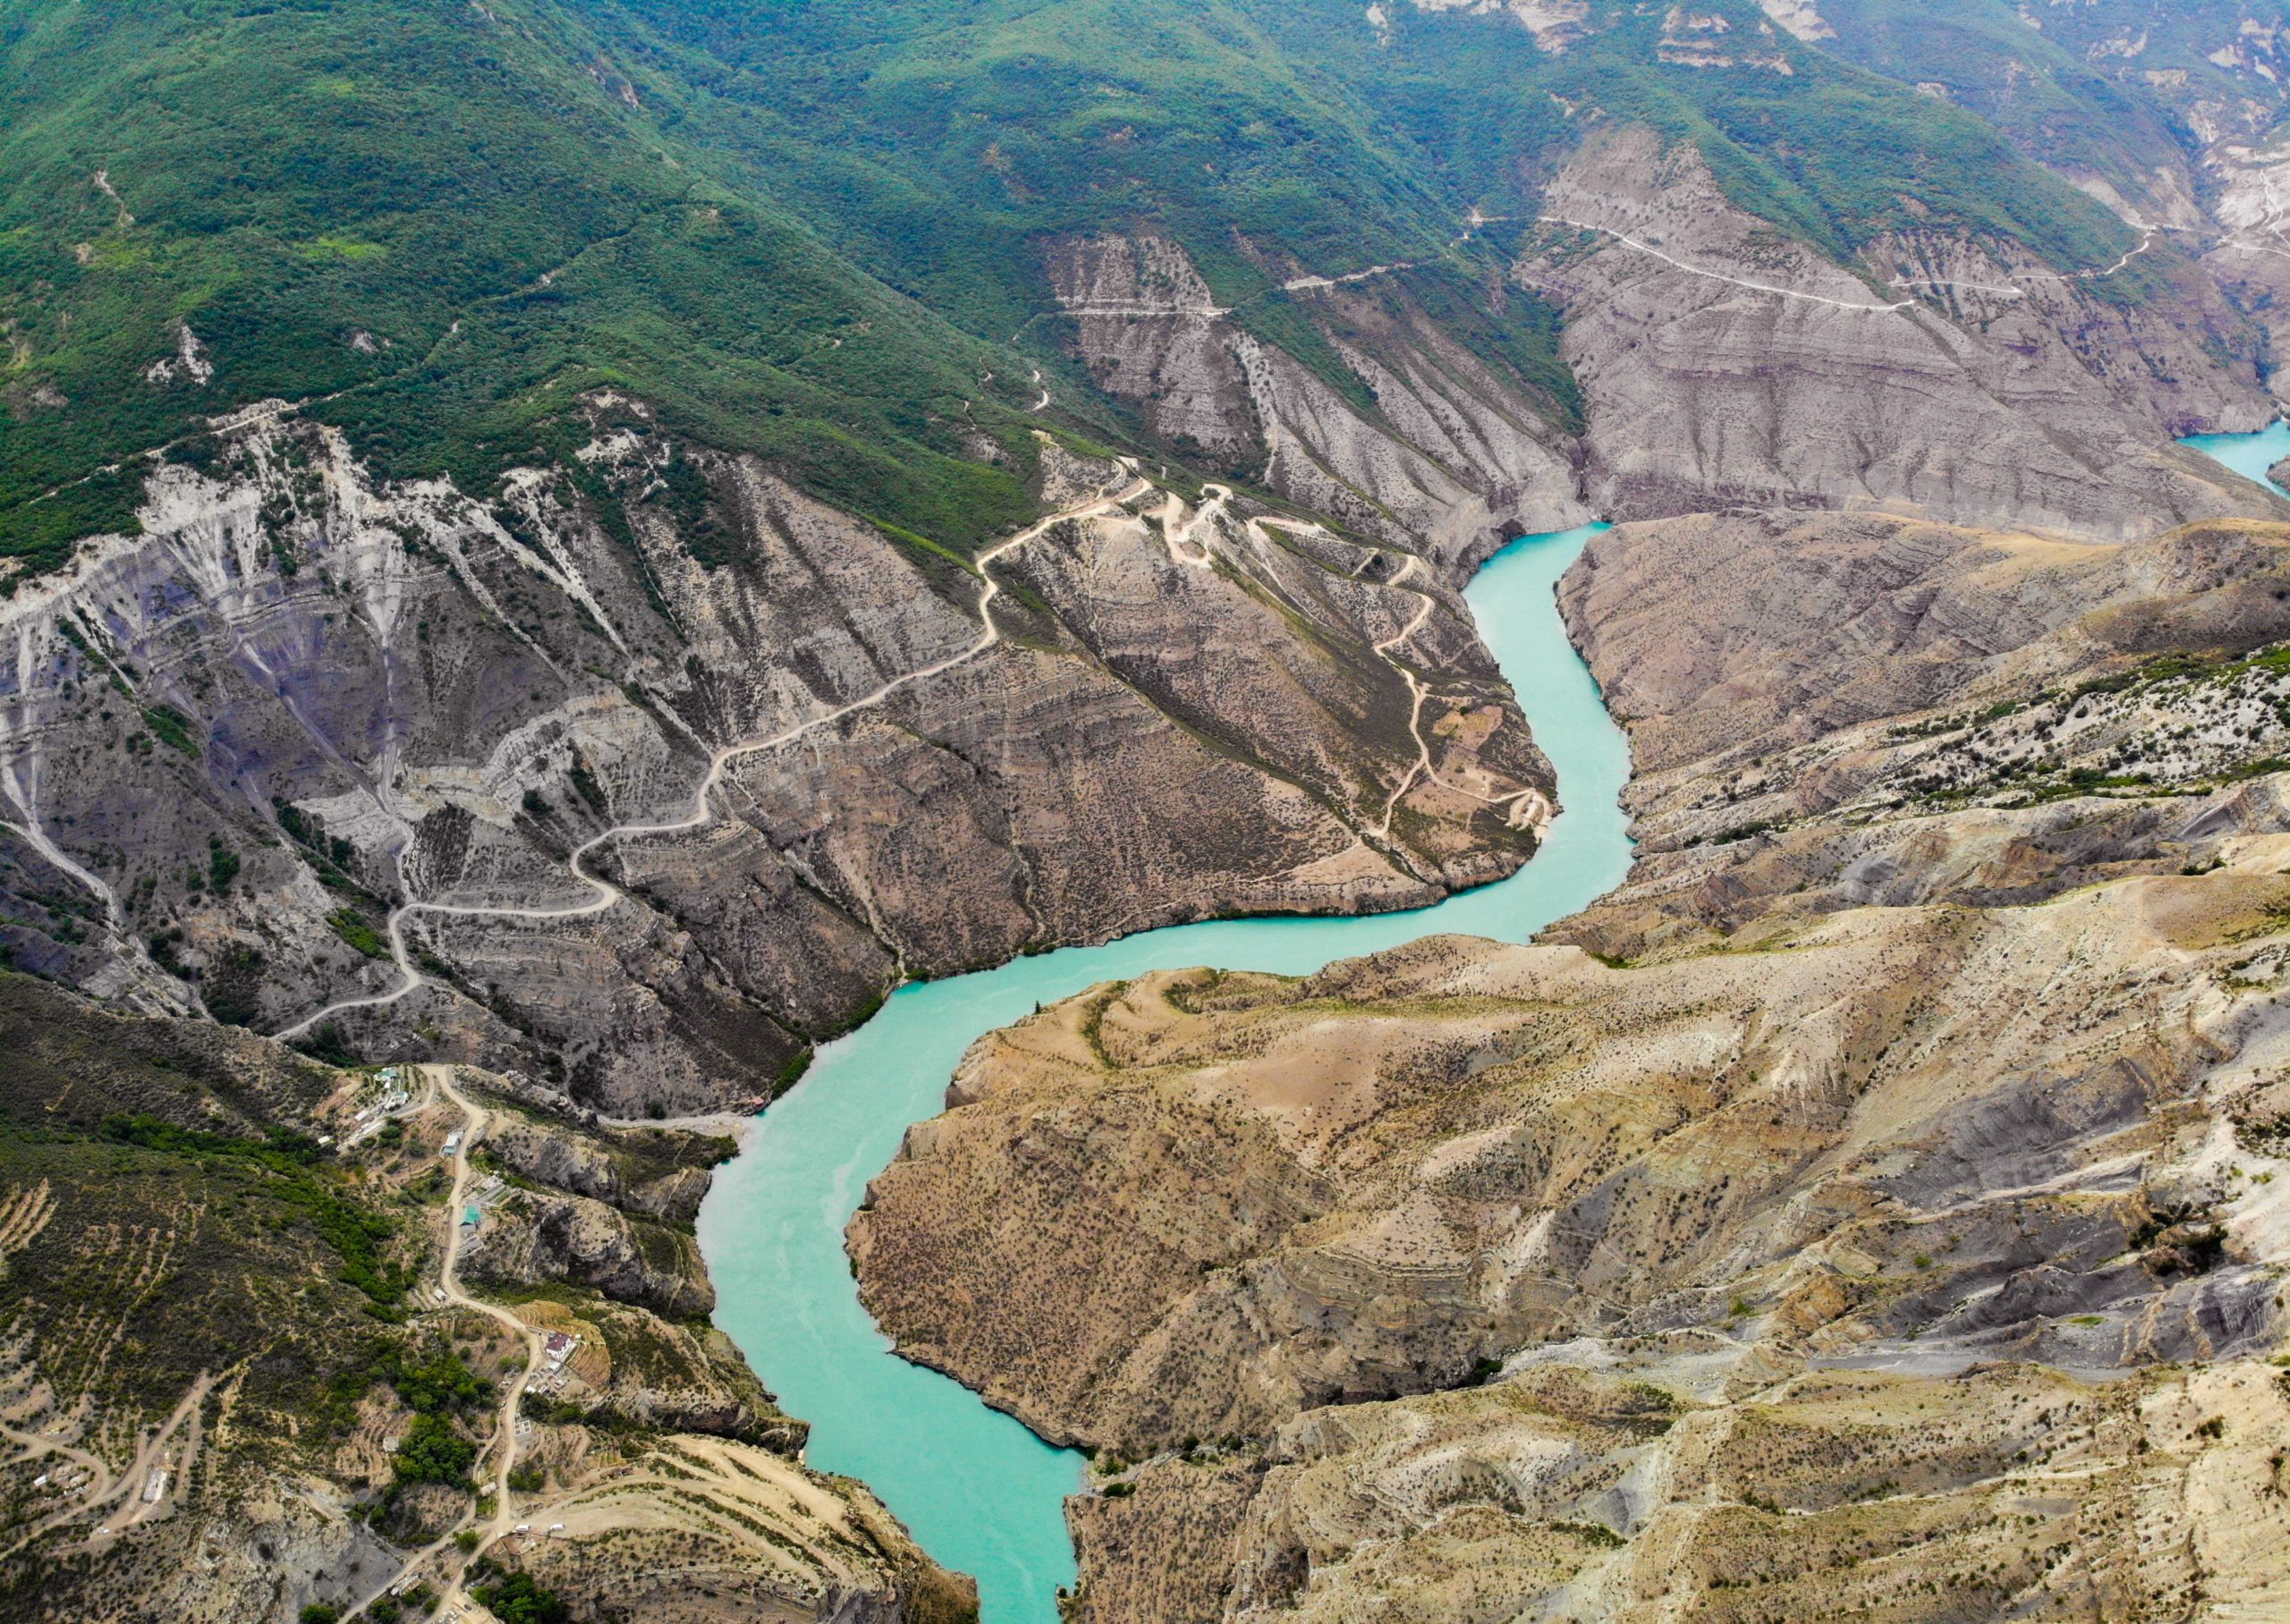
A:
(981, 1493)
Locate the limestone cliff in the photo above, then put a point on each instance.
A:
(308, 730)
(1448, 451)
(1806, 695)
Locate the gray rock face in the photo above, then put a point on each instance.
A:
(1728, 635)
(545, 1236)
(587, 1165)
(237, 745)
(1722, 363)
(1455, 459)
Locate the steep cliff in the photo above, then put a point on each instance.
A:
(1434, 445)
(663, 729)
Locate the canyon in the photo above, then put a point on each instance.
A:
(594, 594)
(1683, 1248)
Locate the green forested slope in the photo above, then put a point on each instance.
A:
(2103, 88)
(807, 228)
(468, 193)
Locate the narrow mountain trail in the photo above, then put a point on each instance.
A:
(475, 1118)
(605, 894)
(2014, 291)
(1183, 549)
(2008, 291)
(1694, 270)
(734, 1123)
(474, 1121)
(1537, 804)
(1314, 285)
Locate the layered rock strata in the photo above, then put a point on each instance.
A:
(1881, 1214)
(656, 775)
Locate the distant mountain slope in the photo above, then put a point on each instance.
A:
(779, 223)
(443, 222)
(2120, 96)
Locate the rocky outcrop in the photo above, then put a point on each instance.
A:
(1436, 446)
(1724, 636)
(1721, 363)
(1202, 1206)
(657, 1174)
(1835, 712)
(1643, 1491)
(308, 718)
(546, 1237)
(1272, 1196)
(1747, 1256)
(695, 1528)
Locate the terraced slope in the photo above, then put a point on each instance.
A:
(235, 1383)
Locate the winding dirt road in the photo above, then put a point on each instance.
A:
(1184, 548)
(475, 1118)
(605, 893)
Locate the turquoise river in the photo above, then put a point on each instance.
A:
(982, 1494)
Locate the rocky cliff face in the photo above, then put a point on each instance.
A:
(1722, 363)
(1931, 1056)
(305, 721)
(1836, 712)
(1451, 455)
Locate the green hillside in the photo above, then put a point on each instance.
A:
(472, 196)
(2104, 90)
(165, 1210)
(808, 230)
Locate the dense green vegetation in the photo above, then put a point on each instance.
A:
(810, 229)
(515, 1597)
(447, 225)
(936, 141)
(432, 1452)
(2071, 93)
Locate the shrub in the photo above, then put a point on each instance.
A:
(518, 1600)
(434, 1452)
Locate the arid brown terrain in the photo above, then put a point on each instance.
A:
(1868, 1206)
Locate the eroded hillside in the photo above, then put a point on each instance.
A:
(1880, 1215)
(551, 540)
(657, 775)
(243, 1375)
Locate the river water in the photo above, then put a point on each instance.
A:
(981, 1493)
(2248, 455)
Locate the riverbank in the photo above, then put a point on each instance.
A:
(980, 1493)
(1926, 1039)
